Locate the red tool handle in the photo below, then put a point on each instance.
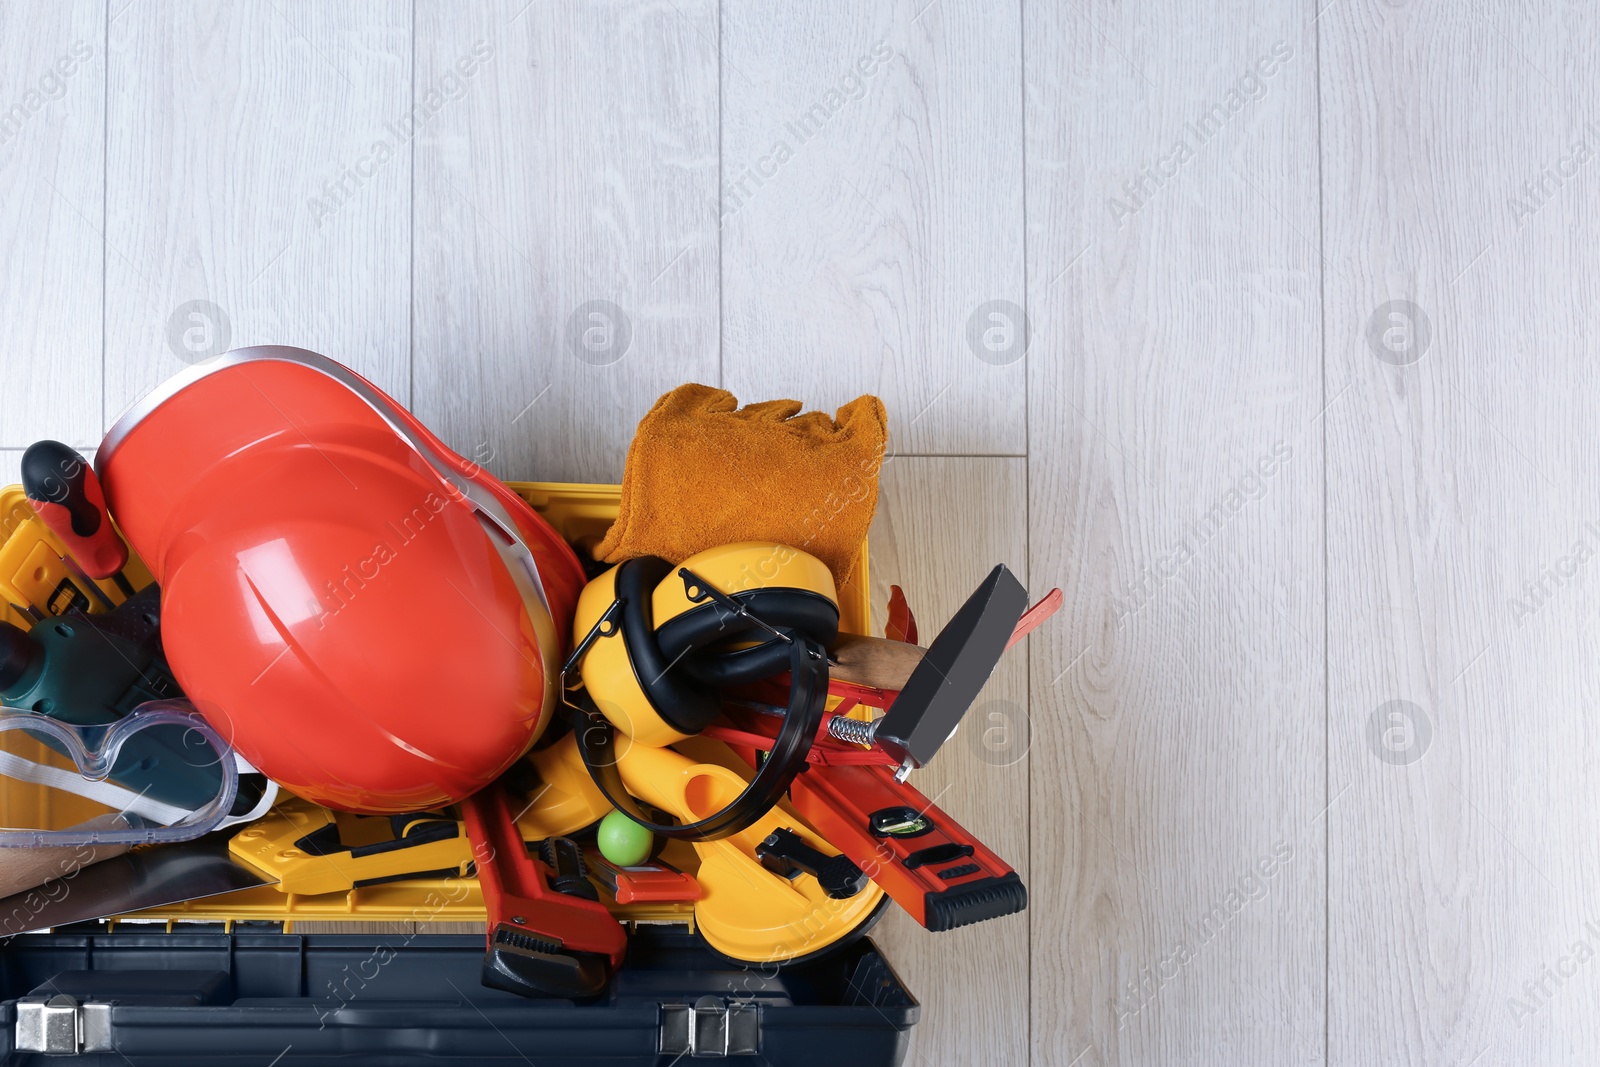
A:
(540, 941)
(63, 489)
(646, 883)
(902, 625)
(1034, 616)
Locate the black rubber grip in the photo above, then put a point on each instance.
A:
(54, 473)
(975, 902)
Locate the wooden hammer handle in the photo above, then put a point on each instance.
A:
(874, 661)
(885, 664)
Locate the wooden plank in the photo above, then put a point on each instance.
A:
(376, 929)
(249, 202)
(453, 928)
(942, 524)
(872, 214)
(1459, 160)
(52, 176)
(566, 256)
(1175, 495)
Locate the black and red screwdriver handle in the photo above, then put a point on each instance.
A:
(63, 489)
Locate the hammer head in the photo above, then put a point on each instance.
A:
(947, 681)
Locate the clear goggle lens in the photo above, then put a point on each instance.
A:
(159, 773)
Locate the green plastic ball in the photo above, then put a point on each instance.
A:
(623, 841)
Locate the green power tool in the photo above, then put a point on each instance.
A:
(90, 670)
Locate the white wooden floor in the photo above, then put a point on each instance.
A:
(1304, 426)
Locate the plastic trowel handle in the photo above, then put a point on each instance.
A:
(63, 489)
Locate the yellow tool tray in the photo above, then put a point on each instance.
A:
(37, 582)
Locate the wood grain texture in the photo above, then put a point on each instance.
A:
(566, 253)
(453, 928)
(1218, 443)
(871, 205)
(243, 171)
(942, 525)
(377, 929)
(1458, 151)
(11, 460)
(1175, 495)
(10, 466)
(52, 131)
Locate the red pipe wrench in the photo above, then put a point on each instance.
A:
(541, 941)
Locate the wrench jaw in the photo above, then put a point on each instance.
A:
(541, 942)
(531, 966)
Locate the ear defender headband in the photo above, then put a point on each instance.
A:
(662, 641)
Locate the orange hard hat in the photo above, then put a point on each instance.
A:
(371, 620)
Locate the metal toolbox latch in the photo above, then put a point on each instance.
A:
(60, 1026)
(712, 1029)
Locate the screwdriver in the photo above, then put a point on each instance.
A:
(65, 493)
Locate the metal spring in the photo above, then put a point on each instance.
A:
(853, 730)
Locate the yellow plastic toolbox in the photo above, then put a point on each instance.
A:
(38, 582)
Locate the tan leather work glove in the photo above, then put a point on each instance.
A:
(704, 472)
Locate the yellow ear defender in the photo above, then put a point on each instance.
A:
(661, 641)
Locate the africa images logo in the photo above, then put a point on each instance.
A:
(451, 86)
(1153, 177)
(51, 85)
(747, 179)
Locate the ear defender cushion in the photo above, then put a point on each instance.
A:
(683, 704)
(676, 669)
(681, 665)
(790, 610)
(607, 672)
(788, 589)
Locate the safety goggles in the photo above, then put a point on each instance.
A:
(159, 773)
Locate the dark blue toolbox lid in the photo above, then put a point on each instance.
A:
(287, 1000)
